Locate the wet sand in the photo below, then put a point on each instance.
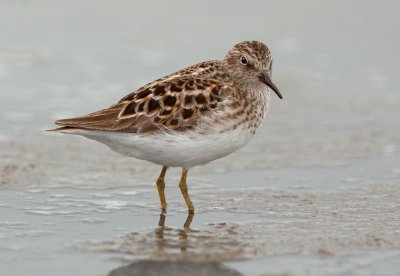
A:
(318, 220)
(315, 193)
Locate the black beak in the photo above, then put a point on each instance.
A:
(264, 77)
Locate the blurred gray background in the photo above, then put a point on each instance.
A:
(336, 63)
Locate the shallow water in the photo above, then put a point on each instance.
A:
(315, 193)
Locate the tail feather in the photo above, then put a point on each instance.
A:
(68, 130)
(105, 119)
(97, 117)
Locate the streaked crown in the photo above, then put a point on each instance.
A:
(255, 49)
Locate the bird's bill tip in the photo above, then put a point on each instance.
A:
(265, 78)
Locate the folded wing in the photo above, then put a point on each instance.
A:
(173, 103)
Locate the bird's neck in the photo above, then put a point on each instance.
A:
(258, 104)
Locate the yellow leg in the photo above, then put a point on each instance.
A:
(184, 190)
(161, 221)
(161, 187)
(188, 221)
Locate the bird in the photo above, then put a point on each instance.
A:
(188, 118)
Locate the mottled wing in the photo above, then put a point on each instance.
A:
(174, 103)
(212, 69)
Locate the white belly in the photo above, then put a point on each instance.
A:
(173, 149)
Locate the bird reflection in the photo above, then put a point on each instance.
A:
(186, 225)
(180, 251)
(182, 233)
(173, 268)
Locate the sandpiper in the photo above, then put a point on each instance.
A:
(188, 118)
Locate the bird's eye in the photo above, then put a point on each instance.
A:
(243, 60)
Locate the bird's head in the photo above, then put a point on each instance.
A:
(250, 65)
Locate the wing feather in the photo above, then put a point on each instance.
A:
(174, 101)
